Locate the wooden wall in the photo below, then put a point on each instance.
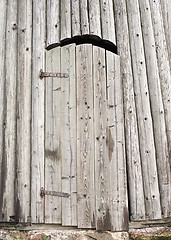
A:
(142, 30)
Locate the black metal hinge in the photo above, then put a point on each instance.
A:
(44, 192)
(51, 74)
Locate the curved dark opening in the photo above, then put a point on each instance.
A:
(95, 40)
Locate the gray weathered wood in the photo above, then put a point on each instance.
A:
(24, 111)
(76, 30)
(116, 145)
(85, 138)
(135, 183)
(9, 118)
(107, 20)
(68, 135)
(94, 17)
(53, 161)
(3, 19)
(103, 210)
(145, 125)
(65, 16)
(160, 137)
(38, 58)
(53, 22)
(84, 17)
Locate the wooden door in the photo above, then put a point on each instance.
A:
(85, 167)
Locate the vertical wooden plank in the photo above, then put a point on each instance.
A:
(85, 138)
(68, 132)
(24, 111)
(65, 12)
(84, 17)
(53, 161)
(53, 22)
(161, 144)
(95, 18)
(103, 210)
(107, 20)
(9, 119)
(38, 58)
(135, 182)
(3, 20)
(145, 126)
(76, 31)
(163, 65)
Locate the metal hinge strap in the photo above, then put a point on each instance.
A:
(44, 192)
(50, 74)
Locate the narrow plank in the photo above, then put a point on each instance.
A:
(103, 210)
(84, 17)
(65, 15)
(94, 17)
(164, 72)
(162, 154)
(9, 121)
(53, 161)
(166, 14)
(107, 20)
(68, 132)
(145, 125)
(135, 182)
(76, 30)
(24, 111)
(3, 176)
(85, 138)
(38, 62)
(53, 22)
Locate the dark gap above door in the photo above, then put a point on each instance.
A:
(93, 39)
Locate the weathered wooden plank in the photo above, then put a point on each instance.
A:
(53, 22)
(65, 15)
(38, 58)
(68, 135)
(85, 138)
(76, 31)
(161, 144)
(3, 18)
(135, 183)
(166, 14)
(84, 17)
(24, 111)
(145, 126)
(9, 120)
(103, 210)
(107, 20)
(164, 72)
(116, 146)
(94, 17)
(53, 161)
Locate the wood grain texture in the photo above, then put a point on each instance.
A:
(69, 134)
(53, 161)
(65, 16)
(24, 111)
(38, 62)
(162, 154)
(75, 13)
(9, 124)
(145, 124)
(94, 17)
(53, 22)
(85, 138)
(107, 20)
(84, 17)
(3, 20)
(135, 178)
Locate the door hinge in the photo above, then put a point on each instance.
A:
(51, 74)
(44, 192)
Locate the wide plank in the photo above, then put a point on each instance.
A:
(76, 30)
(84, 20)
(95, 18)
(65, 16)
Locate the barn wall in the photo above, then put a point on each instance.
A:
(143, 38)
